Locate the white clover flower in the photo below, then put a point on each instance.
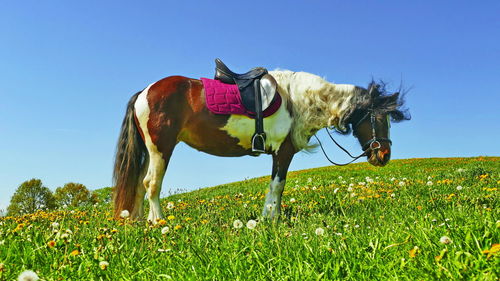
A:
(251, 224)
(165, 230)
(309, 180)
(340, 177)
(28, 275)
(445, 240)
(320, 231)
(362, 183)
(336, 190)
(314, 188)
(393, 195)
(393, 179)
(459, 188)
(402, 183)
(338, 234)
(344, 182)
(237, 224)
(429, 177)
(292, 200)
(124, 214)
(350, 189)
(170, 205)
(429, 183)
(356, 226)
(103, 265)
(353, 194)
(55, 225)
(460, 170)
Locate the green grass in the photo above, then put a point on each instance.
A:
(384, 227)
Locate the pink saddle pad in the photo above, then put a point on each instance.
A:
(225, 99)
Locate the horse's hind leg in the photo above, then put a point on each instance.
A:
(153, 181)
(138, 210)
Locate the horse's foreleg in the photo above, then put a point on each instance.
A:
(281, 162)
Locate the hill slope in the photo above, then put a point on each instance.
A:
(418, 219)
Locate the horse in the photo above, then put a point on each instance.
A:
(173, 110)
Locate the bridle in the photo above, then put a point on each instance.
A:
(372, 145)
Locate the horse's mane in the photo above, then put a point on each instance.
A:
(318, 103)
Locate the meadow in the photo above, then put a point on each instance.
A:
(415, 219)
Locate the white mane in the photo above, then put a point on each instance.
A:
(316, 102)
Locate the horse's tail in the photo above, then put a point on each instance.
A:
(130, 157)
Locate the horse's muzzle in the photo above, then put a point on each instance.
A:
(379, 157)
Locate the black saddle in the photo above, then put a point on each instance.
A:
(245, 82)
(249, 86)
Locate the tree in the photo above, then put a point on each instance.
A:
(73, 195)
(30, 197)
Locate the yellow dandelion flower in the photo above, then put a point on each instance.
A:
(413, 252)
(162, 222)
(204, 221)
(171, 217)
(177, 227)
(74, 253)
(51, 243)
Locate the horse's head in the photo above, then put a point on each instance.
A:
(371, 122)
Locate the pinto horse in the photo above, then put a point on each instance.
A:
(173, 110)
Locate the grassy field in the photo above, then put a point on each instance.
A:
(416, 219)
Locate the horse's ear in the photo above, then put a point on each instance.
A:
(374, 89)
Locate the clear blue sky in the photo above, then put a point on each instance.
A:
(68, 68)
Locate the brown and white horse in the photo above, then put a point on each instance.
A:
(173, 110)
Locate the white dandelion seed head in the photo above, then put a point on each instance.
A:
(362, 183)
(165, 230)
(340, 177)
(237, 224)
(350, 189)
(445, 240)
(393, 179)
(356, 226)
(292, 200)
(170, 205)
(393, 195)
(314, 188)
(319, 231)
(338, 234)
(344, 182)
(336, 190)
(251, 224)
(309, 180)
(459, 188)
(353, 194)
(55, 225)
(460, 170)
(429, 183)
(28, 275)
(124, 214)
(429, 177)
(402, 183)
(103, 264)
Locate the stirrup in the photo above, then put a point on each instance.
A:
(259, 143)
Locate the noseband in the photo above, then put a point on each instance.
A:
(372, 145)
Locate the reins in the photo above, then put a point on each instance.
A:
(328, 158)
